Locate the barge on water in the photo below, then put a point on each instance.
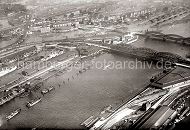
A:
(33, 102)
(13, 114)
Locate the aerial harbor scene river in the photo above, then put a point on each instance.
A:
(84, 77)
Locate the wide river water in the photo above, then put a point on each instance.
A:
(84, 95)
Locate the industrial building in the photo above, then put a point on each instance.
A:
(177, 75)
(158, 119)
(155, 119)
(18, 55)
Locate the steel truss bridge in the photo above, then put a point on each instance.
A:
(168, 37)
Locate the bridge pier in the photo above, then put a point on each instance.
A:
(164, 39)
(186, 41)
(180, 41)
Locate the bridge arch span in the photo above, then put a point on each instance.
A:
(154, 33)
(145, 53)
(170, 56)
(174, 36)
(186, 41)
(147, 50)
(188, 38)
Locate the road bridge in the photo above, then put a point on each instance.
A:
(173, 37)
(165, 17)
(81, 39)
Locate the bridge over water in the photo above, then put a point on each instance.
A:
(167, 37)
(166, 17)
(141, 53)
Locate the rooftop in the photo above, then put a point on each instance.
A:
(179, 74)
(16, 54)
(158, 118)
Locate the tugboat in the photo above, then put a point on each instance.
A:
(33, 102)
(51, 88)
(13, 114)
(44, 91)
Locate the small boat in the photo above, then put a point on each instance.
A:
(13, 114)
(51, 88)
(84, 69)
(44, 91)
(47, 90)
(33, 102)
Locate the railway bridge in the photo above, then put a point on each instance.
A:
(142, 53)
(167, 37)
